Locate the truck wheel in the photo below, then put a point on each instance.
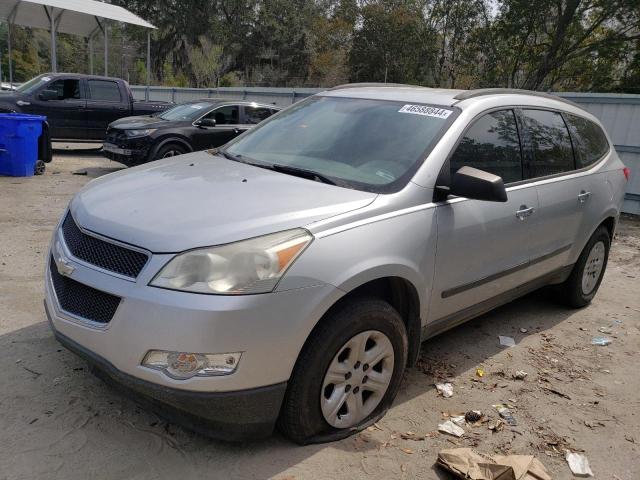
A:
(347, 374)
(583, 283)
(169, 150)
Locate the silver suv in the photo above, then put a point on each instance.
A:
(288, 278)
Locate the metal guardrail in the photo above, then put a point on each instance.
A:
(619, 113)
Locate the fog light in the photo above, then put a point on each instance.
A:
(183, 365)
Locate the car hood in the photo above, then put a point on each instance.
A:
(199, 199)
(142, 121)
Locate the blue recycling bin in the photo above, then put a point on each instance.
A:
(19, 143)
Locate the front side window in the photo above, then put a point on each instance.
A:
(254, 115)
(66, 88)
(552, 152)
(227, 115)
(589, 141)
(104, 90)
(491, 144)
(372, 145)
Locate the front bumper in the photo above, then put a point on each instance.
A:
(268, 329)
(129, 151)
(233, 416)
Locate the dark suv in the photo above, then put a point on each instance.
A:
(188, 127)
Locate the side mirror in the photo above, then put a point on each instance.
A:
(48, 95)
(205, 122)
(477, 184)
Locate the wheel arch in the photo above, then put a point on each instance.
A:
(166, 141)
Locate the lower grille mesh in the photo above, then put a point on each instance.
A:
(82, 300)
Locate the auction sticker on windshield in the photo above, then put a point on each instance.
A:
(426, 111)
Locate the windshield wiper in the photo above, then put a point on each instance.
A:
(301, 172)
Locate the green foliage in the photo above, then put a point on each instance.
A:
(536, 44)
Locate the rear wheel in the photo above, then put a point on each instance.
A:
(347, 374)
(169, 150)
(583, 283)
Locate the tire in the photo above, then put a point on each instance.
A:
(378, 328)
(169, 150)
(580, 288)
(39, 167)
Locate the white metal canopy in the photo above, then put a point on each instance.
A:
(77, 17)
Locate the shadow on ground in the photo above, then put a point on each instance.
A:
(60, 421)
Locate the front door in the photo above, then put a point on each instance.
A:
(66, 113)
(483, 248)
(226, 128)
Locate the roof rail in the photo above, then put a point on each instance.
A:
(373, 84)
(480, 92)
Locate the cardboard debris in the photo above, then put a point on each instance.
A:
(468, 464)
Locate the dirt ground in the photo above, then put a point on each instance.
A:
(58, 421)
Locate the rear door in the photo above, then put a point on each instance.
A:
(66, 114)
(483, 248)
(106, 102)
(227, 127)
(563, 193)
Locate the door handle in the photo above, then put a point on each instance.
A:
(583, 196)
(524, 212)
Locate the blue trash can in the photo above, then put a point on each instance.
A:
(19, 143)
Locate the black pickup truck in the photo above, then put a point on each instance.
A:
(77, 107)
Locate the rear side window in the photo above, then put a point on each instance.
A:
(491, 144)
(552, 152)
(589, 141)
(255, 115)
(104, 90)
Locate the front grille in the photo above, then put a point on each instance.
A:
(82, 300)
(103, 254)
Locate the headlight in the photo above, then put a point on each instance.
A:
(140, 133)
(246, 267)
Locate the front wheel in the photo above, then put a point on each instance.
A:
(348, 373)
(169, 150)
(585, 278)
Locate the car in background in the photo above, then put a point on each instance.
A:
(78, 107)
(188, 127)
(5, 86)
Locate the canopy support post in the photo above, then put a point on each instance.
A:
(10, 20)
(105, 30)
(146, 93)
(91, 54)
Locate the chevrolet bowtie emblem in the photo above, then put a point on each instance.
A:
(62, 263)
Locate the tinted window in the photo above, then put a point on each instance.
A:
(104, 90)
(589, 141)
(552, 152)
(256, 114)
(492, 145)
(186, 111)
(225, 115)
(68, 88)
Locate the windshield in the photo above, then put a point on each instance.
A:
(373, 145)
(32, 84)
(186, 111)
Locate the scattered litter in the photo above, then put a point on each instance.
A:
(617, 322)
(578, 464)
(606, 330)
(459, 420)
(407, 450)
(602, 341)
(412, 436)
(480, 372)
(629, 438)
(445, 389)
(496, 427)
(520, 375)
(451, 428)
(523, 330)
(593, 425)
(473, 416)
(504, 412)
(507, 341)
(466, 463)
(80, 172)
